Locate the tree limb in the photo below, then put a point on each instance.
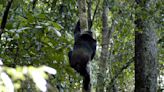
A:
(94, 14)
(34, 4)
(89, 14)
(125, 66)
(4, 18)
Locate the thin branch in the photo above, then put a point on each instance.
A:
(94, 14)
(4, 18)
(125, 66)
(89, 13)
(34, 4)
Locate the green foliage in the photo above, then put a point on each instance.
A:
(38, 37)
(20, 75)
(44, 35)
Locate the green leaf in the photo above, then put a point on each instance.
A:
(42, 16)
(30, 18)
(9, 26)
(57, 26)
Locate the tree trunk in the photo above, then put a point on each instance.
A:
(111, 87)
(83, 27)
(83, 15)
(145, 50)
(104, 52)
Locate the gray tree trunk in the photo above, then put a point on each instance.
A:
(145, 49)
(104, 53)
(83, 15)
(111, 87)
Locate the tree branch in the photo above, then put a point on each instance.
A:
(4, 18)
(34, 4)
(125, 66)
(89, 14)
(94, 14)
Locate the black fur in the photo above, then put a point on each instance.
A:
(83, 51)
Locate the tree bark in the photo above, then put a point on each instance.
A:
(83, 15)
(104, 53)
(145, 50)
(83, 27)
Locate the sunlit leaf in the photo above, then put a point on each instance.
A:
(49, 70)
(7, 82)
(57, 26)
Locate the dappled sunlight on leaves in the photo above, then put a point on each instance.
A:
(37, 74)
(9, 87)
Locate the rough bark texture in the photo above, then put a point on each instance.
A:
(145, 61)
(83, 15)
(145, 52)
(104, 52)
